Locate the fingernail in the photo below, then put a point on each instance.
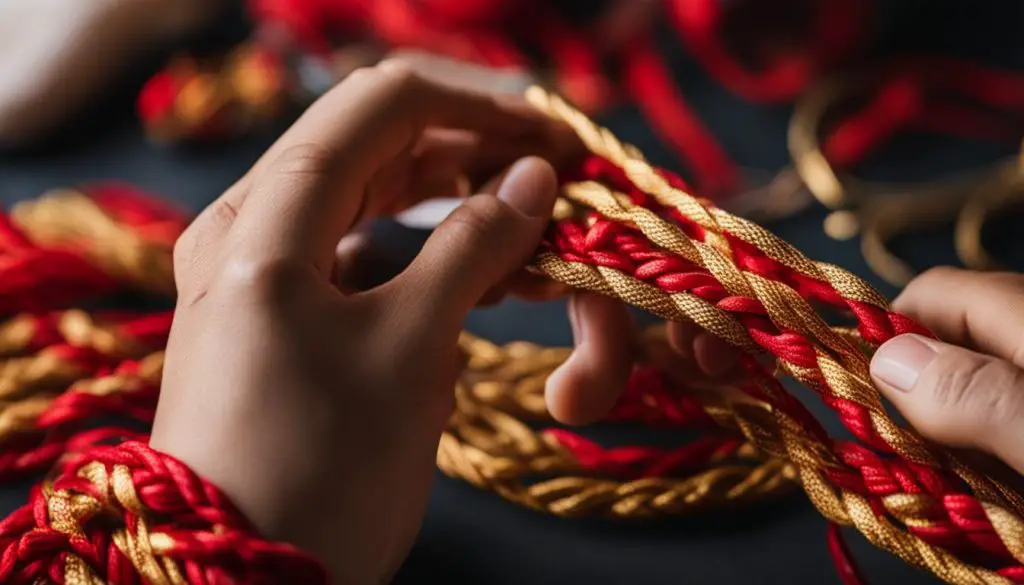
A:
(529, 188)
(900, 361)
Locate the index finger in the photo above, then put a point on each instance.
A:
(310, 187)
(983, 311)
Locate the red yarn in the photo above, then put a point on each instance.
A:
(650, 398)
(849, 574)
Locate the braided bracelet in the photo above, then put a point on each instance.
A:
(117, 513)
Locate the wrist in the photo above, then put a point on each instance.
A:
(290, 495)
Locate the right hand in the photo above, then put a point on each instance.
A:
(966, 391)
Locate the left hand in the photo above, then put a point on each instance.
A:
(318, 408)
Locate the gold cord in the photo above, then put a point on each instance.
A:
(880, 212)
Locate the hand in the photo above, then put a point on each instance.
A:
(589, 383)
(966, 391)
(315, 407)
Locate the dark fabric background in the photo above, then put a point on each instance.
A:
(474, 537)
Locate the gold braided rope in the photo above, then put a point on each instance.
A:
(63, 216)
(488, 444)
(69, 510)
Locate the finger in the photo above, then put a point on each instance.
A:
(715, 356)
(434, 169)
(588, 384)
(955, 396)
(681, 335)
(480, 244)
(559, 144)
(979, 310)
(196, 249)
(536, 287)
(447, 71)
(314, 188)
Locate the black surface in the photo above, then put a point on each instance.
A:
(474, 537)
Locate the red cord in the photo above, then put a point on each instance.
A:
(651, 86)
(837, 29)
(209, 539)
(849, 574)
(912, 96)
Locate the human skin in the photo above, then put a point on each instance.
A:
(316, 407)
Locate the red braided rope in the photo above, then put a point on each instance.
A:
(208, 538)
(959, 523)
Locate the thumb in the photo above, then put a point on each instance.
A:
(482, 242)
(955, 396)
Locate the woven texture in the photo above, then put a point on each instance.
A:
(121, 514)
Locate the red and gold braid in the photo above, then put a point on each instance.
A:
(647, 242)
(753, 299)
(484, 443)
(488, 443)
(128, 514)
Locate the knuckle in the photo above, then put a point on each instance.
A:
(303, 160)
(396, 74)
(920, 290)
(273, 282)
(931, 277)
(956, 382)
(398, 71)
(940, 273)
(982, 389)
(361, 75)
(184, 249)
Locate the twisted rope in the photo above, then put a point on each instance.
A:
(118, 513)
(760, 303)
(128, 512)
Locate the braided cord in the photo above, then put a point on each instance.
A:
(118, 514)
(168, 524)
(812, 354)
